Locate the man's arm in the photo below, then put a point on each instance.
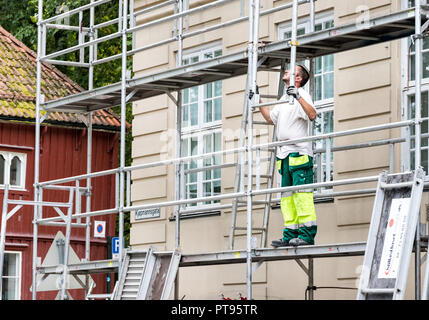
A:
(266, 114)
(309, 110)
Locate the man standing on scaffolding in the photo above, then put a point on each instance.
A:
(295, 161)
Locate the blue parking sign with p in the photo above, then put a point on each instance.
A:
(115, 247)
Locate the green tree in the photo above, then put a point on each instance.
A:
(20, 19)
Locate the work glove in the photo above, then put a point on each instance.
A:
(293, 91)
(251, 93)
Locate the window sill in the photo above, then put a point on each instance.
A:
(19, 190)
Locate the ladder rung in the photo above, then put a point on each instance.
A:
(130, 289)
(379, 290)
(99, 296)
(384, 185)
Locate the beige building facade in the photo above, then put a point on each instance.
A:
(353, 89)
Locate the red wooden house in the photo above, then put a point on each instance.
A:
(63, 153)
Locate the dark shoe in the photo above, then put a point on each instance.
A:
(280, 243)
(298, 242)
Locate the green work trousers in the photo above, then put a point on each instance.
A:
(297, 207)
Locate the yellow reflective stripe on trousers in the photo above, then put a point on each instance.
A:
(298, 161)
(304, 207)
(290, 216)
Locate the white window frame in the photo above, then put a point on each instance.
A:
(8, 156)
(323, 105)
(17, 276)
(201, 128)
(408, 89)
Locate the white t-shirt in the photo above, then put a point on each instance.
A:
(292, 123)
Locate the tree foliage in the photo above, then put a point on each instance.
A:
(20, 19)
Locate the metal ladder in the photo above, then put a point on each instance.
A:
(146, 275)
(239, 174)
(391, 236)
(6, 215)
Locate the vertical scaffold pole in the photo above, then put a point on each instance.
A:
(89, 137)
(123, 128)
(178, 168)
(418, 73)
(252, 70)
(40, 35)
(293, 45)
(179, 193)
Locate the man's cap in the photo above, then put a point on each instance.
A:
(305, 69)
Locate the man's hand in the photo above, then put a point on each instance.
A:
(251, 93)
(293, 91)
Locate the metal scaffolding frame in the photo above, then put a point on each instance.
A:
(267, 57)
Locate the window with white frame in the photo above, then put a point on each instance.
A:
(12, 169)
(11, 277)
(323, 93)
(408, 98)
(201, 131)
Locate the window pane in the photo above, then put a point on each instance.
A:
(15, 171)
(193, 93)
(425, 66)
(216, 187)
(208, 147)
(318, 88)
(185, 116)
(193, 193)
(207, 189)
(424, 125)
(208, 107)
(328, 24)
(218, 88)
(217, 147)
(425, 43)
(194, 151)
(318, 65)
(318, 124)
(194, 114)
(412, 67)
(185, 96)
(10, 264)
(328, 119)
(300, 31)
(10, 270)
(217, 109)
(328, 82)
(184, 151)
(208, 92)
(328, 63)
(2, 167)
(9, 289)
